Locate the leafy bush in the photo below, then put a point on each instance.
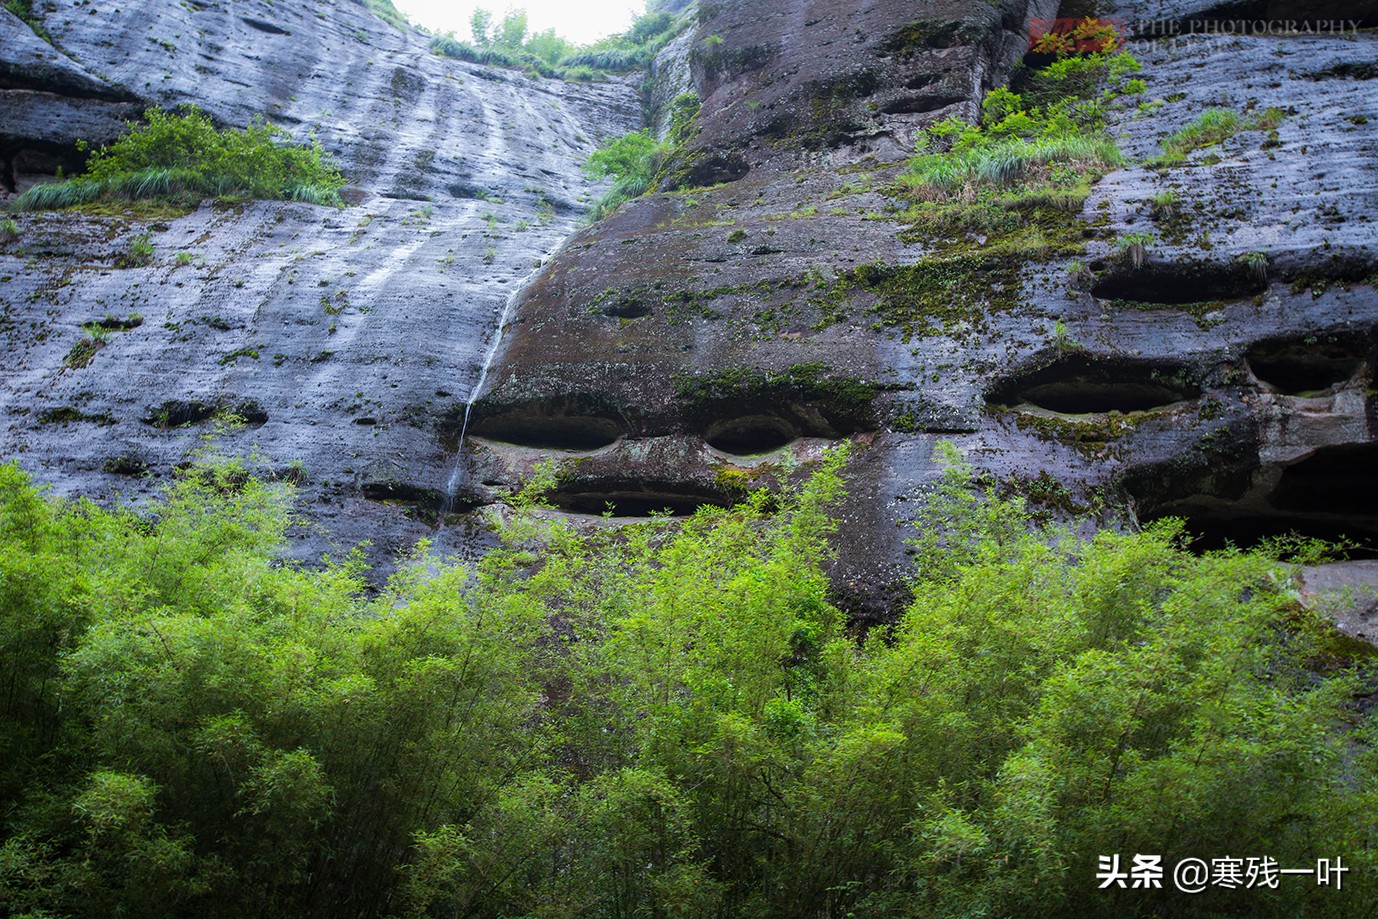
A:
(631, 161)
(636, 162)
(670, 720)
(1032, 159)
(1058, 121)
(182, 158)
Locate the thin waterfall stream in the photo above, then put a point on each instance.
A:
(457, 473)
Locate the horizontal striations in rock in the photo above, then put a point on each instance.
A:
(352, 334)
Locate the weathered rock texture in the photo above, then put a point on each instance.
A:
(700, 339)
(348, 338)
(1213, 382)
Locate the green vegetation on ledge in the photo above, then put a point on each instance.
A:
(637, 163)
(1031, 160)
(1214, 126)
(386, 11)
(671, 720)
(181, 158)
(25, 11)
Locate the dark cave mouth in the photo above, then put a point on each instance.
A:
(637, 498)
(1079, 385)
(1181, 284)
(1301, 367)
(751, 435)
(1330, 495)
(575, 423)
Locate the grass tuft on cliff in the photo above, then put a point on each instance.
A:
(182, 158)
(1035, 153)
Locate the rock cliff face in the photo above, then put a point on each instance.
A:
(700, 339)
(697, 338)
(348, 339)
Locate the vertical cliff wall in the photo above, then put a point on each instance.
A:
(347, 338)
(770, 299)
(777, 301)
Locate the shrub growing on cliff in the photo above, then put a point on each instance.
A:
(636, 162)
(631, 162)
(1034, 153)
(182, 157)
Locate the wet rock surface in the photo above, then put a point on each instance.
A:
(707, 339)
(343, 339)
(1181, 386)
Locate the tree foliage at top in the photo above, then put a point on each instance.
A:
(508, 42)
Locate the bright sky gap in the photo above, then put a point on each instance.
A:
(582, 22)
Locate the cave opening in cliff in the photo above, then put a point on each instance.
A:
(567, 423)
(1332, 495)
(1181, 284)
(1295, 367)
(750, 435)
(637, 498)
(1078, 385)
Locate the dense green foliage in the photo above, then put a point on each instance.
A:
(666, 722)
(508, 43)
(1035, 154)
(631, 162)
(636, 162)
(182, 158)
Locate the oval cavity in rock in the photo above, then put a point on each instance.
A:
(750, 434)
(551, 432)
(1080, 385)
(1296, 367)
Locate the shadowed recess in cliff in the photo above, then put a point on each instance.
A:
(746, 411)
(1182, 283)
(1298, 367)
(577, 421)
(1229, 499)
(1080, 384)
(750, 434)
(633, 497)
